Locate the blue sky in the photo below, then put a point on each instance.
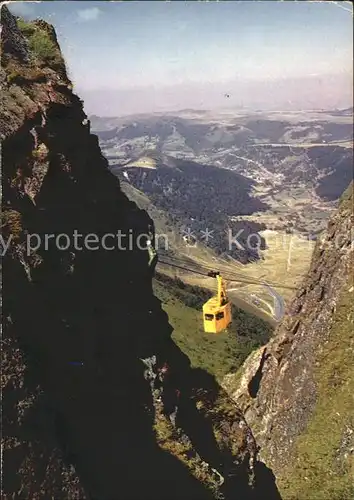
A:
(128, 45)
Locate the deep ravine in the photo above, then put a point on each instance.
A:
(84, 413)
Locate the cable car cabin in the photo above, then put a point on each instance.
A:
(217, 310)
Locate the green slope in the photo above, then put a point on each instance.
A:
(324, 465)
(166, 231)
(322, 462)
(218, 354)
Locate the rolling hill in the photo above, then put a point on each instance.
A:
(276, 175)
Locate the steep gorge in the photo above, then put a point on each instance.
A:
(85, 414)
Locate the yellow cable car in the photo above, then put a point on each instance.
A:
(217, 310)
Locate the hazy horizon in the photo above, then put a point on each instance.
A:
(312, 93)
(144, 57)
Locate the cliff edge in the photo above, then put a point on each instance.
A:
(297, 391)
(98, 401)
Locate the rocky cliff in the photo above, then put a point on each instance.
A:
(98, 402)
(297, 391)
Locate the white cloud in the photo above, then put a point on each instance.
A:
(22, 9)
(88, 14)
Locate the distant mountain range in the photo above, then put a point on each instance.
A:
(342, 112)
(234, 170)
(212, 130)
(200, 198)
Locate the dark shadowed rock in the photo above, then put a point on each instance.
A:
(85, 412)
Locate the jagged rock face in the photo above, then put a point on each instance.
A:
(12, 40)
(277, 388)
(83, 336)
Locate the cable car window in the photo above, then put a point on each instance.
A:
(219, 315)
(209, 317)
